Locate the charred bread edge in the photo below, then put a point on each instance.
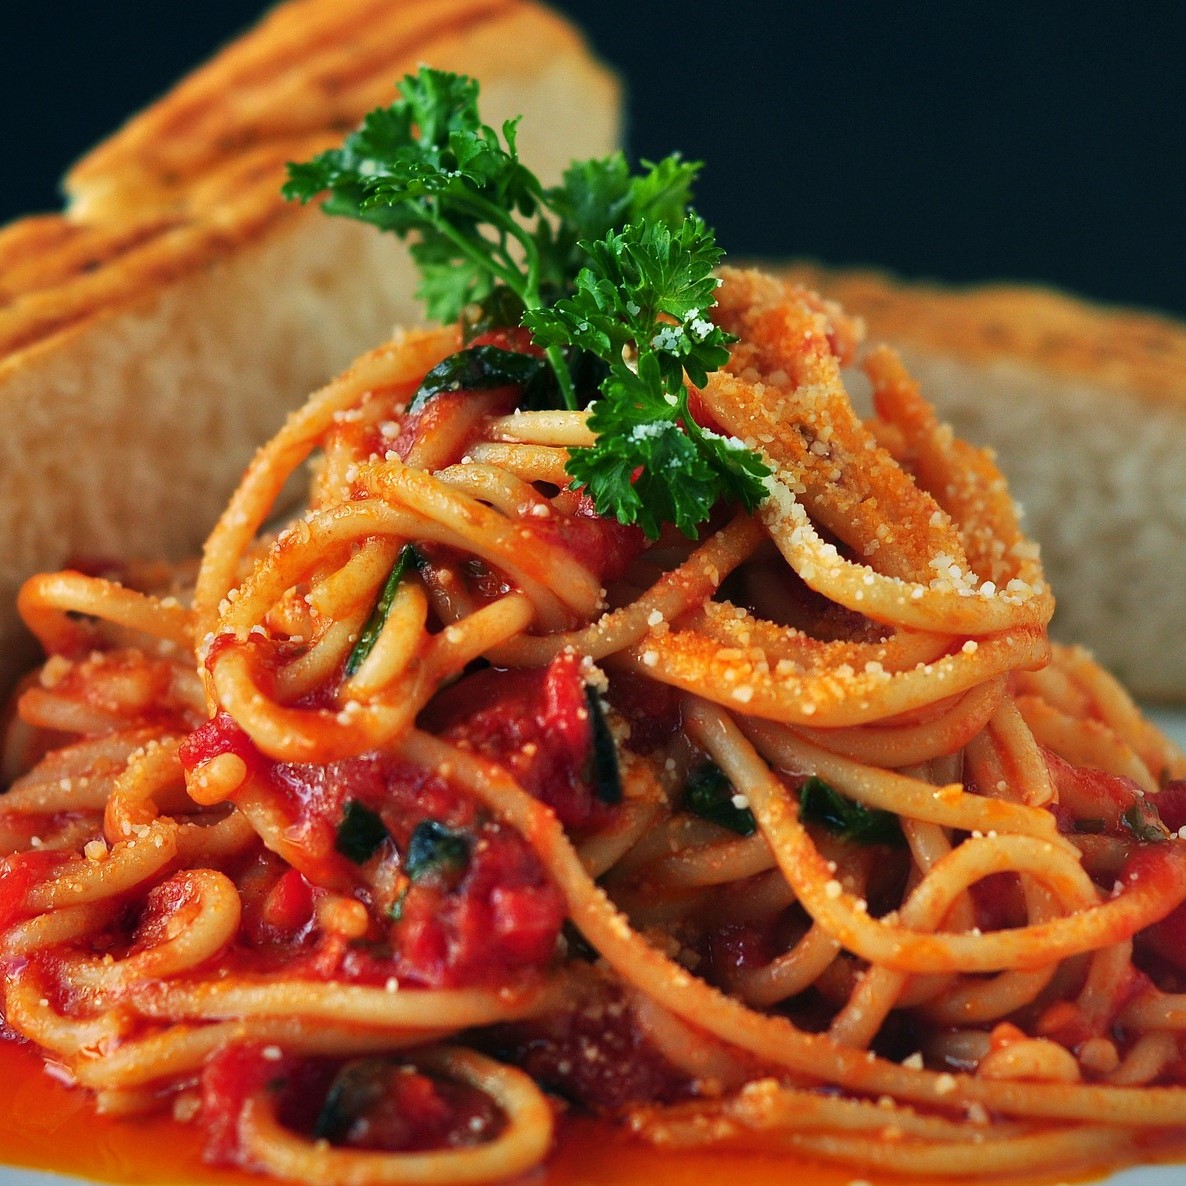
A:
(1139, 352)
(141, 218)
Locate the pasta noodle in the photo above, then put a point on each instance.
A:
(373, 836)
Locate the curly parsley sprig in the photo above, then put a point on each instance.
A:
(639, 305)
(610, 263)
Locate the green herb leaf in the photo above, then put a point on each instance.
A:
(360, 832)
(407, 559)
(607, 780)
(636, 265)
(435, 848)
(428, 165)
(821, 803)
(645, 293)
(597, 196)
(483, 368)
(710, 795)
(1143, 821)
(501, 309)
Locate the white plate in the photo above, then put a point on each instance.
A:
(1174, 724)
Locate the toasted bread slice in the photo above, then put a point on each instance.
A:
(156, 331)
(1086, 408)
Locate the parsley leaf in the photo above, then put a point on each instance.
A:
(427, 166)
(643, 294)
(598, 195)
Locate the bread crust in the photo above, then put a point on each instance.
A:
(1135, 351)
(197, 175)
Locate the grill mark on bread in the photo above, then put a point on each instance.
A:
(1142, 352)
(280, 91)
(199, 174)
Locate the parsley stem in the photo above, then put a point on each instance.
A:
(559, 364)
(525, 287)
(509, 275)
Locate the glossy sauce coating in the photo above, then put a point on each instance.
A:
(48, 1126)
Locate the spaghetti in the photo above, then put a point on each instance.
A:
(798, 834)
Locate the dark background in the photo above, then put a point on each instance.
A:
(1025, 141)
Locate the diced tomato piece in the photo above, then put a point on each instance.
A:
(1171, 804)
(288, 908)
(504, 915)
(604, 546)
(536, 724)
(220, 735)
(1168, 937)
(1093, 800)
(229, 1079)
(515, 338)
(19, 873)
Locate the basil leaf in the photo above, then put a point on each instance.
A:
(360, 832)
(434, 847)
(607, 779)
(821, 803)
(408, 558)
(483, 368)
(710, 795)
(1142, 820)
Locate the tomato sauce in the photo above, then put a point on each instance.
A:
(46, 1125)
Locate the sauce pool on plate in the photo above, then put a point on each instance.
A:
(47, 1125)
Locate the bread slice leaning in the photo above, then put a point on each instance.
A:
(160, 328)
(1086, 408)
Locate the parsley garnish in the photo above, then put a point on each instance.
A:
(639, 306)
(608, 263)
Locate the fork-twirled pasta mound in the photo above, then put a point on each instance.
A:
(371, 838)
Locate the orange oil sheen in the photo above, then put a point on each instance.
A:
(47, 1125)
